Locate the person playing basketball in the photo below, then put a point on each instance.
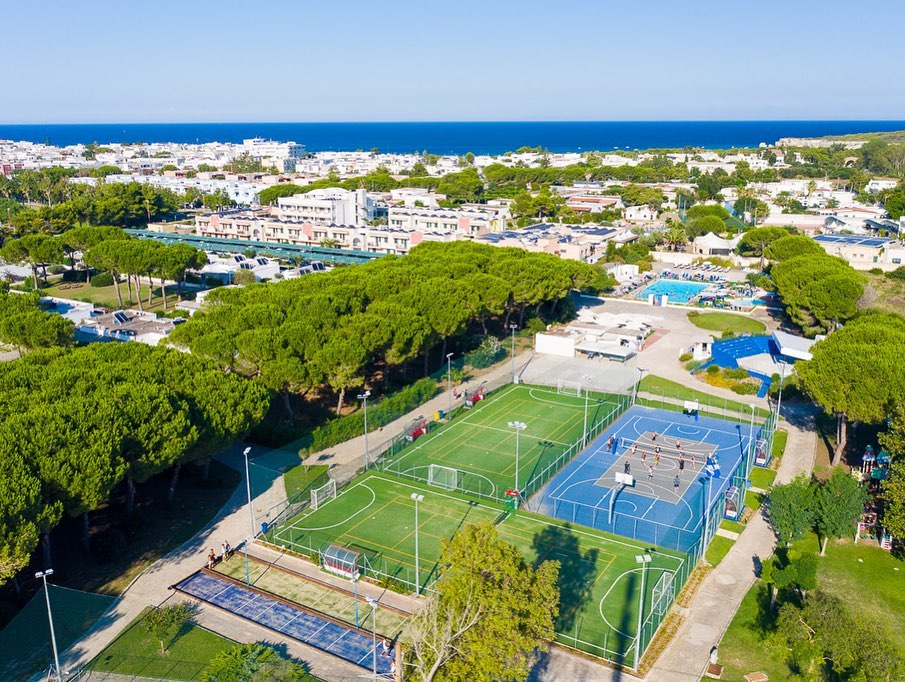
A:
(681, 463)
(675, 484)
(650, 473)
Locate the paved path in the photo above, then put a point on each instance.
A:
(721, 592)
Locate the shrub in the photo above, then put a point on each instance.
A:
(713, 369)
(875, 271)
(489, 352)
(534, 325)
(56, 269)
(898, 273)
(744, 389)
(737, 373)
(255, 661)
(685, 357)
(692, 365)
(379, 414)
(103, 279)
(74, 276)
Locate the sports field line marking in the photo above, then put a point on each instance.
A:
(604, 597)
(346, 520)
(535, 519)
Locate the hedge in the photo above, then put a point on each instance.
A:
(381, 413)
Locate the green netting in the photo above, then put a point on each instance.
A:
(25, 643)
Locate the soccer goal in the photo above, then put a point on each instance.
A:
(321, 495)
(568, 387)
(443, 477)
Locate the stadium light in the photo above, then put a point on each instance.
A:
(751, 435)
(364, 397)
(587, 389)
(644, 560)
(449, 382)
(782, 381)
(373, 604)
(519, 427)
(418, 498)
(641, 372)
(513, 327)
(53, 638)
(251, 515)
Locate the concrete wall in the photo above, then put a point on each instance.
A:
(554, 344)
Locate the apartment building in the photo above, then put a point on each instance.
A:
(332, 205)
(468, 221)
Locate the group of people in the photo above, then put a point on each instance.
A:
(226, 551)
(633, 451)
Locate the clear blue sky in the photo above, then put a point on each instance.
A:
(311, 60)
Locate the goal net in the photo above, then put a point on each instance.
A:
(568, 387)
(321, 495)
(443, 477)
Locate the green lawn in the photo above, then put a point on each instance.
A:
(599, 580)
(863, 576)
(762, 478)
(718, 549)
(726, 322)
(733, 526)
(478, 448)
(780, 438)
(136, 652)
(753, 500)
(672, 389)
(106, 296)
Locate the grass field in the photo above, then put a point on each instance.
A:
(106, 296)
(599, 579)
(481, 445)
(673, 389)
(867, 580)
(726, 322)
(136, 652)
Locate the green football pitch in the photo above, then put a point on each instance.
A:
(599, 578)
(476, 452)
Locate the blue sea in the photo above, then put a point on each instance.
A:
(456, 138)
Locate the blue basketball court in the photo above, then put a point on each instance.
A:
(673, 472)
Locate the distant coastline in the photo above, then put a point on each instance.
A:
(492, 138)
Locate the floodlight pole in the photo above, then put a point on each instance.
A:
(513, 327)
(518, 426)
(53, 638)
(418, 498)
(641, 372)
(587, 389)
(355, 593)
(751, 438)
(449, 382)
(644, 560)
(782, 382)
(251, 515)
(364, 397)
(373, 604)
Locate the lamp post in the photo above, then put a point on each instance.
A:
(53, 638)
(519, 427)
(251, 515)
(513, 327)
(641, 372)
(587, 390)
(364, 397)
(373, 604)
(751, 439)
(782, 382)
(449, 381)
(418, 498)
(355, 596)
(644, 560)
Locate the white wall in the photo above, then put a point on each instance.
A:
(554, 344)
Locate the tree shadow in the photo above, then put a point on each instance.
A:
(577, 571)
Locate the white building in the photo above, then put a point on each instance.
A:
(330, 206)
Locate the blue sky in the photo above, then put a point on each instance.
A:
(309, 60)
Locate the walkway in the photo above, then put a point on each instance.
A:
(231, 523)
(721, 592)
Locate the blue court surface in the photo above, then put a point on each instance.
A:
(343, 642)
(672, 488)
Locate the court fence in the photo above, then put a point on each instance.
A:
(550, 461)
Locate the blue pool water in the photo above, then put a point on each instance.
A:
(679, 291)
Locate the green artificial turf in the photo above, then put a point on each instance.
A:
(481, 445)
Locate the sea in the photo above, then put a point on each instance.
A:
(490, 138)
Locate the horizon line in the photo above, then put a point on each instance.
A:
(463, 122)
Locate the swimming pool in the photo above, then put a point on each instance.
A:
(678, 291)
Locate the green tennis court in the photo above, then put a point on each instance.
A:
(599, 577)
(476, 452)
